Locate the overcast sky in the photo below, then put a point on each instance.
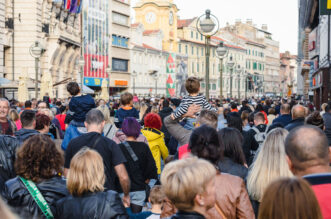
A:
(281, 16)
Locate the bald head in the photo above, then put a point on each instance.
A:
(307, 146)
(285, 109)
(298, 111)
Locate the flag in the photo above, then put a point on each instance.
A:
(73, 6)
(79, 6)
(66, 4)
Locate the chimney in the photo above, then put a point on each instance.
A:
(264, 27)
(249, 21)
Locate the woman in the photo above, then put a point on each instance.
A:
(39, 163)
(315, 119)
(15, 118)
(271, 115)
(259, 108)
(55, 127)
(143, 108)
(232, 200)
(62, 117)
(42, 124)
(190, 185)
(244, 118)
(269, 164)
(233, 162)
(85, 183)
(290, 198)
(140, 163)
(155, 138)
(109, 129)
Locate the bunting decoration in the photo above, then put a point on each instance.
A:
(171, 70)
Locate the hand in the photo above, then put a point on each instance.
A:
(126, 201)
(192, 110)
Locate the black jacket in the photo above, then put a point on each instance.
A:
(164, 113)
(187, 215)
(295, 123)
(18, 197)
(245, 108)
(327, 123)
(228, 166)
(8, 146)
(94, 205)
(24, 134)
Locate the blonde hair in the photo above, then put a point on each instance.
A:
(86, 173)
(269, 164)
(157, 195)
(48, 113)
(13, 115)
(143, 108)
(105, 111)
(155, 109)
(182, 180)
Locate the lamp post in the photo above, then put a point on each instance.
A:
(231, 64)
(134, 75)
(81, 64)
(36, 51)
(221, 52)
(239, 69)
(207, 25)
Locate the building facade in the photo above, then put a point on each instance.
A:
(288, 74)
(2, 35)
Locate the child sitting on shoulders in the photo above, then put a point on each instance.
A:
(126, 110)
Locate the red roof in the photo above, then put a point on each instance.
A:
(135, 25)
(149, 47)
(217, 38)
(184, 22)
(149, 32)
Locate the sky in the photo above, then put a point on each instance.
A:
(281, 16)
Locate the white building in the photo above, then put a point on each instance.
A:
(2, 35)
(148, 62)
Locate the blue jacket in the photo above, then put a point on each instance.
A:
(283, 119)
(80, 105)
(74, 130)
(295, 123)
(121, 114)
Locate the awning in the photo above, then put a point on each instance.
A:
(87, 90)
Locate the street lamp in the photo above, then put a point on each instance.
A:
(230, 65)
(207, 25)
(134, 75)
(81, 64)
(155, 76)
(221, 52)
(36, 51)
(239, 69)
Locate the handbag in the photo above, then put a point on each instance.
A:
(38, 198)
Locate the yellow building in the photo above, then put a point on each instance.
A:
(159, 14)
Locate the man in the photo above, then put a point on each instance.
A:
(111, 153)
(27, 105)
(28, 121)
(327, 122)
(34, 103)
(166, 111)
(308, 156)
(285, 117)
(6, 127)
(42, 105)
(234, 107)
(298, 116)
(245, 107)
(255, 137)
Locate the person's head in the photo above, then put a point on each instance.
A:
(155, 109)
(285, 109)
(28, 104)
(175, 102)
(232, 144)
(251, 118)
(47, 112)
(38, 159)
(289, 198)
(259, 107)
(131, 127)
(226, 111)
(95, 121)
(13, 115)
(271, 111)
(42, 123)
(105, 111)
(269, 164)
(73, 88)
(315, 119)
(156, 195)
(259, 119)
(307, 150)
(244, 102)
(234, 121)
(298, 111)
(323, 107)
(28, 119)
(190, 184)
(192, 85)
(86, 173)
(101, 102)
(165, 104)
(244, 116)
(4, 108)
(42, 105)
(34, 103)
(58, 103)
(204, 143)
(233, 106)
(126, 99)
(153, 120)
(207, 117)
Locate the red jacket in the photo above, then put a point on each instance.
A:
(183, 151)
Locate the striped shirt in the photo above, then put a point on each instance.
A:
(187, 101)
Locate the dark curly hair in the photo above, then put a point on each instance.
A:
(315, 119)
(204, 143)
(38, 159)
(41, 121)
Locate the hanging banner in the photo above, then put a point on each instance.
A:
(96, 41)
(181, 75)
(171, 75)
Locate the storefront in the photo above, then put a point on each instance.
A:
(321, 87)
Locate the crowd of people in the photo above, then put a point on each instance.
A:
(177, 158)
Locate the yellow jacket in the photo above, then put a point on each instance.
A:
(156, 143)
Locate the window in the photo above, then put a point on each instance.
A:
(120, 19)
(254, 66)
(203, 85)
(192, 67)
(202, 54)
(191, 34)
(197, 35)
(120, 41)
(201, 37)
(192, 50)
(180, 48)
(119, 65)
(198, 69)
(197, 51)
(249, 52)
(186, 49)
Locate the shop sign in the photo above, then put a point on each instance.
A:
(121, 83)
(313, 46)
(317, 80)
(120, 41)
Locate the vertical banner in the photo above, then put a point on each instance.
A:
(181, 75)
(96, 41)
(171, 75)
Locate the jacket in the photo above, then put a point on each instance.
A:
(123, 113)
(232, 198)
(18, 197)
(327, 123)
(177, 131)
(250, 143)
(11, 128)
(187, 215)
(228, 166)
(74, 130)
(24, 134)
(92, 205)
(166, 111)
(80, 105)
(120, 137)
(156, 143)
(8, 146)
(283, 119)
(295, 123)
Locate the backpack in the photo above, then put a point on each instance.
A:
(259, 137)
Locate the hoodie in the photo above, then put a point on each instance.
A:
(80, 105)
(24, 134)
(156, 143)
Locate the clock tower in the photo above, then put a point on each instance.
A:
(159, 15)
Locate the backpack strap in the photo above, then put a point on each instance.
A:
(130, 150)
(38, 198)
(111, 126)
(256, 130)
(96, 141)
(267, 129)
